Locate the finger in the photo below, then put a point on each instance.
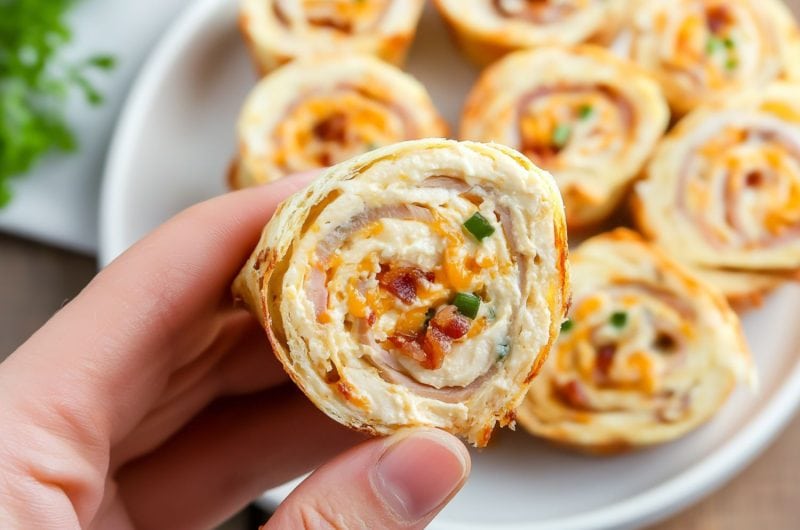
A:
(227, 457)
(247, 366)
(397, 482)
(144, 316)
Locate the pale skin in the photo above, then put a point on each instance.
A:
(152, 400)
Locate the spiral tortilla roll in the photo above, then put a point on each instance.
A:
(421, 284)
(316, 112)
(722, 191)
(704, 50)
(586, 116)
(648, 352)
(486, 30)
(277, 31)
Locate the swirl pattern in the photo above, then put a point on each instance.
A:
(409, 287)
(278, 31)
(723, 189)
(488, 29)
(581, 113)
(647, 354)
(703, 50)
(316, 112)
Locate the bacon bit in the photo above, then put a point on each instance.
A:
(573, 394)
(754, 179)
(403, 281)
(429, 346)
(436, 345)
(332, 129)
(410, 347)
(450, 322)
(717, 17)
(371, 318)
(605, 358)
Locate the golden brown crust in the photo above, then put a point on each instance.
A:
(356, 392)
(383, 29)
(650, 354)
(582, 113)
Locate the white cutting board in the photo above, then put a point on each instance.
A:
(57, 201)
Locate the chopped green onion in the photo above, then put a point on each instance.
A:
(619, 319)
(731, 63)
(502, 350)
(729, 43)
(713, 44)
(567, 325)
(478, 226)
(561, 134)
(467, 304)
(584, 111)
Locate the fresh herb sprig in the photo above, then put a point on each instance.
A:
(35, 82)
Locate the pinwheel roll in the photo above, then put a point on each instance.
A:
(704, 50)
(278, 31)
(421, 284)
(488, 29)
(722, 191)
(647, 354)
(583, 114)
(317, 112)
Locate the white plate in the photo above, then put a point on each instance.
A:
(172, 148)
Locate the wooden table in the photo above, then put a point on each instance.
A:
(35, 280)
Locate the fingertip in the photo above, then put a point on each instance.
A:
(419, 471)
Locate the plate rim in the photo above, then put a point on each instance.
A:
(653, 504)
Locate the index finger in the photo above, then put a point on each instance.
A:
(156, 303)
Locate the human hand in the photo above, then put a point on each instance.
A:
(151, 401)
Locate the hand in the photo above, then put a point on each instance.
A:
(150, 401)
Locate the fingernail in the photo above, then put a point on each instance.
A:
(419, 472)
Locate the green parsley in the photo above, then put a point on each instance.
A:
(35, 82)
(619, 319)
(567, 325)
(479, 226)
(561, 134)
(585, 111)
(467, 304)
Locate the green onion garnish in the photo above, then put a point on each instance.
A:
(561, 135)
(567, 325)
(467, 304)
(618, 319)
(729, 43)
(584, 111)
(502, 350)
(713, 44)
(478, 226)
(731, 63)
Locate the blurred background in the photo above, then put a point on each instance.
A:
(48, 226)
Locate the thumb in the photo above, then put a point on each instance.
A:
(401, 481)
